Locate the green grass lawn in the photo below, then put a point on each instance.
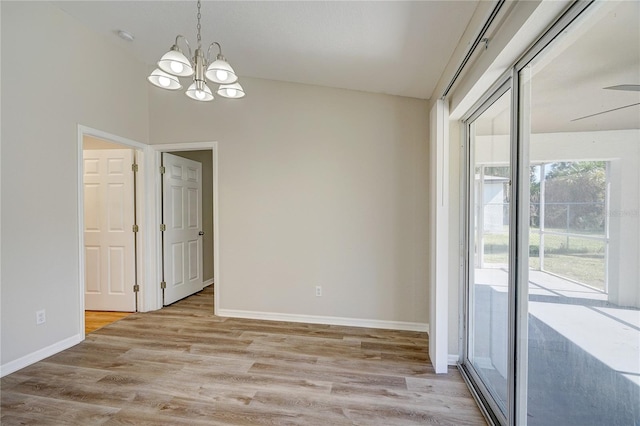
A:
(576, 258)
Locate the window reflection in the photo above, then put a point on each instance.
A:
(584, 291)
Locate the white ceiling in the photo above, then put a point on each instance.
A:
(393, 47)
(569, 83)
(569, 79)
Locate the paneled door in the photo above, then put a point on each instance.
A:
(108, 230)
(182, 216)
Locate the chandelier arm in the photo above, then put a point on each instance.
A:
(209, 50)
(180, 36)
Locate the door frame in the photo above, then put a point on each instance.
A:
(481, 393)
(153, 217)
(139, 149)
(516, 412)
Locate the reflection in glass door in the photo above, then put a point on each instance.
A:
(488, 182)
(582, 133)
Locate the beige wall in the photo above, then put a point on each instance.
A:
(317, 186)
(56, 74)
(204, 157)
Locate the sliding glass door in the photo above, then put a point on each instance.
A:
(488, 246)
(580, 125)
(552, 275)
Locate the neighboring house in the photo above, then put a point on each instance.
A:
(493, 201)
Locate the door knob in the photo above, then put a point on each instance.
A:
(201, 233)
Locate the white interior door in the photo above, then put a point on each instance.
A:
(108, 230)
(182, 208)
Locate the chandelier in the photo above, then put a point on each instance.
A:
(174, 64)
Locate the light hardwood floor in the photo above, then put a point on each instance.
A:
(95, 320)
(184, 366)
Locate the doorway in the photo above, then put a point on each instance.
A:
(204, 153)
(109, 237)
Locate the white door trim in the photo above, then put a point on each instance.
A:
(439, 218)
(153, 216)
(140, 150)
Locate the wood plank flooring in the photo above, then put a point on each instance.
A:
(94, 320)
(184, 366)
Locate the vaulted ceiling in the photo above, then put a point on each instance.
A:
(393, 47)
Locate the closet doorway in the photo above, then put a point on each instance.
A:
(109, 248)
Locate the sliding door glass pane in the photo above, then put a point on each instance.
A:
(581, 116)
(488, 237)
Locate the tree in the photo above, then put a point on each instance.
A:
(575, 195)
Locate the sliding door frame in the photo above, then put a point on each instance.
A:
(518, 261)
(517, 351)
(489, 407)
(520, 146)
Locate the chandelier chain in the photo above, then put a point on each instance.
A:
(199, 27)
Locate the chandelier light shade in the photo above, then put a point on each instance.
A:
(232, 91)
(200, 93)
(174, 64)
(164, 80)
(221, 72)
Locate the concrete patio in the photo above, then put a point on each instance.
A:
(584, 352)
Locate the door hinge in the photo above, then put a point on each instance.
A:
(163, 227)
(162, 170)
(134, 167)
(136, 288)
(163, 285)
(135, 228)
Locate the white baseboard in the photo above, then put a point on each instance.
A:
(452, 359)
(316, 319)
(39, 355)
(207, 283)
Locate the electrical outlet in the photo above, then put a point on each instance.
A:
(318, 291)
(41, 317)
